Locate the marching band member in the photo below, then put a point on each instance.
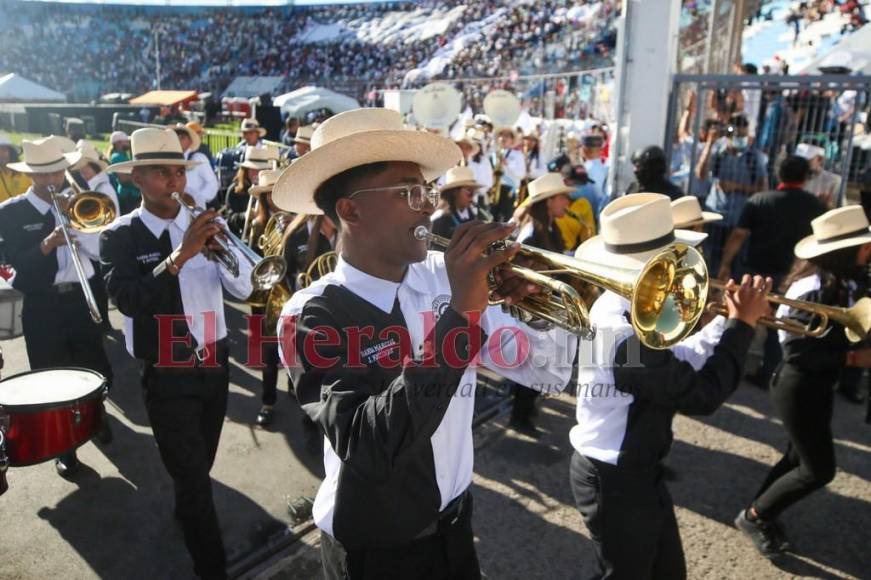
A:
(687, 214)
(302, 140)
(119, 151)
(457, 193)
(479, 163)
(628, 395)
(255, 160)
(58, 328)
(534, 161)
(507, 162)
(202, 183)
(157, 275)
(802, 390)
(12, 183)
(396, 415)
(252, 134)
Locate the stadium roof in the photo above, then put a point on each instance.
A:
(167, 98)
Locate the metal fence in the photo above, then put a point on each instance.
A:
(216, 139)
(781, 112)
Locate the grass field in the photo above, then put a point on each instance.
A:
(102, 144)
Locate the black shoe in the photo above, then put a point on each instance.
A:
(104, 434)
(768, 537)
(67, 465)
(524, 426)
(851, 394)
(264, 417)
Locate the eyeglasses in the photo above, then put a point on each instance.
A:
(416, 195)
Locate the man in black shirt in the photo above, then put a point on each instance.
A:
(773, 222)
(380, 350)
(649, 165)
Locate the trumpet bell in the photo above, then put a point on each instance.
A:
(268, 272)
(858, 321)
(91, 211)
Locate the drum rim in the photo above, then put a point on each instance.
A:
(30, 407)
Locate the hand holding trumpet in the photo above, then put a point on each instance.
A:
(199, 237)
(748, 301)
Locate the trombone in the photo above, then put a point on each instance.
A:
(856, 320)
(87, 212)
(667, 294)
(266, 272)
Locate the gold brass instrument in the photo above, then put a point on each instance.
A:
(322, 265)
(667, 295)
(270, 241)
(271, 244)
(87, 212)
(523, 190)
(856, 320)
(495, 193)
(266, 272)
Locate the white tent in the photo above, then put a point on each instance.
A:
(15, 88)
(299, 102)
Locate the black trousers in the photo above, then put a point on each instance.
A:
(448, 554)
(271, 361)
(186, 408)
(803, 401)
(59, 332)
(630, 516)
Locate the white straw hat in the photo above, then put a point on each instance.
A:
(85, 153)
(195, 138)
(304, 134)
(41, 156)
(151, 146)
(66, 144)
(634, 228)
(252, 125)
(836, 229)
(545, 186)
(265, 181)
(359, 137)
(259, 157)
(459, 177)
(687, 212)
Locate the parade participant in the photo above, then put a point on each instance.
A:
(302, 140)
(509, 169)
(58, 328)
(687, 214)
(157, 275)
(629, 393)
(535, 163)
(202, 183)
(457, 193)
(398, 449)
(252, 134)
(802, 391)
(236, 207)
(479, 163)
(204, 147)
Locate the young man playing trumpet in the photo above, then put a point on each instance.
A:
(392, 386)
(170, 294)
(58, 328)
(628, 394)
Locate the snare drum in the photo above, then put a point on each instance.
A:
(49, 412)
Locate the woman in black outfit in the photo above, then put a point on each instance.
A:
(802, 389)
(548, 200)
(457, 202)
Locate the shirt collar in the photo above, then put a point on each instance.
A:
(40, 205)
(382, 293)
(157, 225)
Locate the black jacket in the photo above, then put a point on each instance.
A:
(23, 228)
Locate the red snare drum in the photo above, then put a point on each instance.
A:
(48, 412)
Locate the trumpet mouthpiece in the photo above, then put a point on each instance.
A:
(421, 233)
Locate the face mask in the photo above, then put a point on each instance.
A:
(739, 143)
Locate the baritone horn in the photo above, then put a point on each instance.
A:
(667, 294)
(856, 320)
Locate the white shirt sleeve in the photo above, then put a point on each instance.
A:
(540, 360)
(696, 349)
(239, 286)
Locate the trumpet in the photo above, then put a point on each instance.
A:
(87, 212)
(265, 273)
(856, 320)
(667, 294)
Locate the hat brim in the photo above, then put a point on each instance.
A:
(809, 247)
(548, 194)
(128, 166)
(255, 189)
(302, 141)
(594, 250)
(24, 167)
(196, 140)
(260, 130)
(294, 191)
(77, 157)
(261, 165)
(707, 217)
(457, 184)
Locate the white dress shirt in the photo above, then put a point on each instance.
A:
(202, 182)
(88, 246)
(199, 279)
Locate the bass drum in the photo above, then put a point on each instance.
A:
(46, 413)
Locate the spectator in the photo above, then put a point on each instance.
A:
(773, 222)
(12, 183)
(119, 152)
(823, 184)
(650, 173)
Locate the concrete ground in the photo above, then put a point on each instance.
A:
(115, 521)
(527, 527)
